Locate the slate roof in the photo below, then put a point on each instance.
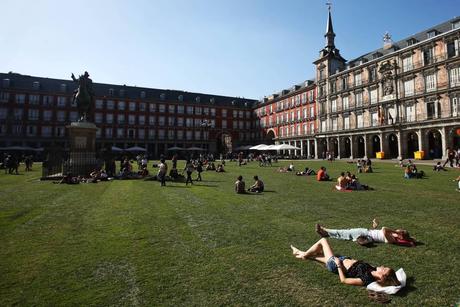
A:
(122, 92)
(418, 37)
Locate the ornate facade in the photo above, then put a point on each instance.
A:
(399, 99)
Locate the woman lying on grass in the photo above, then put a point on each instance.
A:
(351, 271)
(364, 236)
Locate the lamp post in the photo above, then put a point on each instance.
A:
(205, 125)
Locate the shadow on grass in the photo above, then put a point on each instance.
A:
(408, 288)
(206, 185)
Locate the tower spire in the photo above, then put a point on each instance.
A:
(330, 35)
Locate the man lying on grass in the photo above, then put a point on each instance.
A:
(364, 236)
(351, 271)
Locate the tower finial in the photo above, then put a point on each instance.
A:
(329, 29)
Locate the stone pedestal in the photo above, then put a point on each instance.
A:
(82, 156)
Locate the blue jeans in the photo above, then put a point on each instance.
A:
(332, 266)
(347, 234)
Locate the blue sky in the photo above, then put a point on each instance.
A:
(246, 48)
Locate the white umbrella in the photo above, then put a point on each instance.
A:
(286, 147)
(116, 149)
(258, 147)
(272, 147)
(175, 148)
(135, 149)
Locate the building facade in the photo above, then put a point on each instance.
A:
(35, 111)
(392, 102)
(399, 99)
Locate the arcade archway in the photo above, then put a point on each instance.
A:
(375, 143)
(412, 144)
(361, 148)
(393, 146)
(434, 144)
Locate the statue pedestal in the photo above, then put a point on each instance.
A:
(82, 156)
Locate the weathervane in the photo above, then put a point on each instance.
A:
(329, 5)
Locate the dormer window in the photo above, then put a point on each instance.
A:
(162, 96)
(122, 93)
(111, 92)
(376, 55)
(6, 82)
(180, 98)
(36, 85)
(431, 34)
(456, 25)
(198, 99)
(63, 88)
(411, 41)
(212, 100)
(143, 95)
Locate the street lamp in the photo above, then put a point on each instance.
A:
(205, 125)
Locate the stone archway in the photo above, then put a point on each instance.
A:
(393, 146)
(334, 147)
(346, 145)
(224, 143)
(412, 144)
(434, 144)
(375, 145)
(269, 137)
(361, 147)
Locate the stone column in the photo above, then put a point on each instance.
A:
(365, 145)
(308, 149)
(420, 140)
(398, 134)
(316, 148)
(381, 142)
(301, 148)
(444, 143)
(338, 148)
(352, 153)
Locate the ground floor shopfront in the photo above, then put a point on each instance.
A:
(433, 139)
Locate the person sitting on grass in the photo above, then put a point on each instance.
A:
(290, 168)
(411, 172)
(220, 168)
(351, 271)
(364, 236)
(210, 166)
(322, 175)
(342, 182)
(458, 180)
(240, 186)
(355, 185)
(438, 167)
(68, 179)
(258, 185)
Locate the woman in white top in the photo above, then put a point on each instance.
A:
(364, 236)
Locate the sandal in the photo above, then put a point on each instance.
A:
(319, 230)
(378, 297)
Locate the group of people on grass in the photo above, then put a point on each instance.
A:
(348, 181)
(257, 187)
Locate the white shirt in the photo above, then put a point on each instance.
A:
(377, 235)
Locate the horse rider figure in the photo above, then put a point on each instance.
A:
(83, 95)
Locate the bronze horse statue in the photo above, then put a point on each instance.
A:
(83, 96)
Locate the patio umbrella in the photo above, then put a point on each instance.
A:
(116, 149)
(175, 148)
(258, 147)
(19, 148)
(195, 148)
(286, 147)
(135, 149)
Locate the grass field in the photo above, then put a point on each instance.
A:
(133, 243)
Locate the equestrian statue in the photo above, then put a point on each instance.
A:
(83, 96)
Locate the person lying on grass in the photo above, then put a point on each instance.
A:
(351, 271)
(364, 236)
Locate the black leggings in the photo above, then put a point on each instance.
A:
(189, 178)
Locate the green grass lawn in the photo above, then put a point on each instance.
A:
(134, 243)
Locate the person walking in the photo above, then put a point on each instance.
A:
(199, 170)
(162, 171)
(189, 170)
